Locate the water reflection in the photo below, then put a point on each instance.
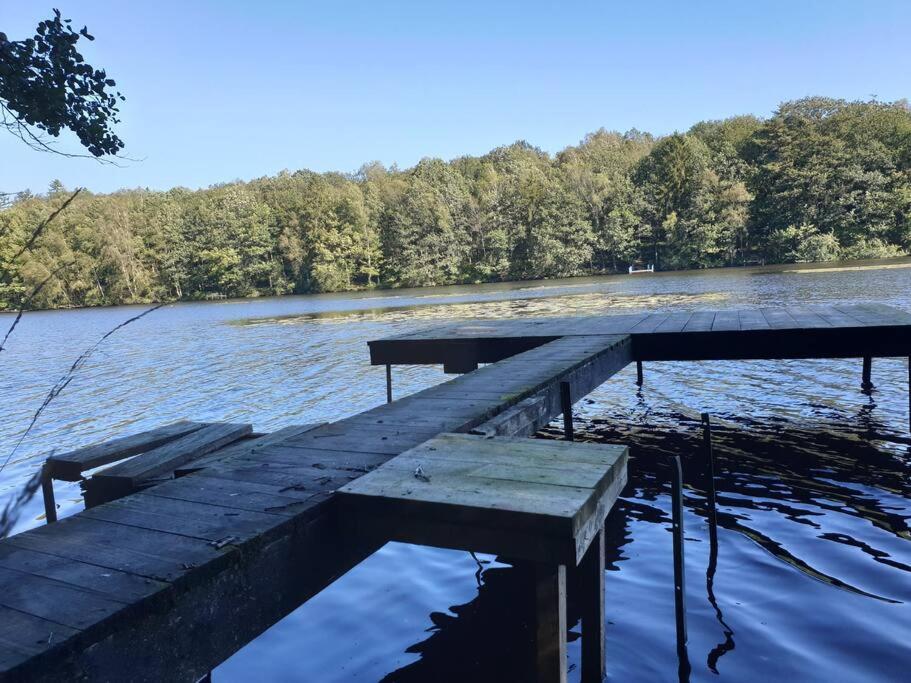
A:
(759, 472)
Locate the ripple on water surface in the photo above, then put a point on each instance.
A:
(812, 577)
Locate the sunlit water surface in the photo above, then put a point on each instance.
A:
(813, 573)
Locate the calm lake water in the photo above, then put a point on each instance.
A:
(813, 575)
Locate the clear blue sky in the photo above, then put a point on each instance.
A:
(228, 89)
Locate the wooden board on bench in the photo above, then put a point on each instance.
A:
(131, 475)
(70, 466)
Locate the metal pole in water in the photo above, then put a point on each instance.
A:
(679, 579)
(566, 404)
(388, 383)
(639, 373)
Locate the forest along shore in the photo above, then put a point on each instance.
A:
(821, 180)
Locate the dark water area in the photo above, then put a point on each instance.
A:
(810, 578)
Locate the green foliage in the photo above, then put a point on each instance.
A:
(46, 84)
(822, 179)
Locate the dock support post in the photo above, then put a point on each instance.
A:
(550, 623)
(709, 474)
(677, 525)
(47, 491)
(639, 373)
(865, 383)
(591, 575)
(388, 383)
(909, 393)
(566, 405)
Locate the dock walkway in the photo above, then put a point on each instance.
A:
(167, 583)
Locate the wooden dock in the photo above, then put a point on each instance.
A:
(167, 582)
(869, 330)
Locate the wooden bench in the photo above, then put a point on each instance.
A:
(159, 453)
(541, 502)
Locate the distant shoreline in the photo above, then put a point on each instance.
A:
(788, 268)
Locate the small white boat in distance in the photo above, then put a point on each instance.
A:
(650, 268)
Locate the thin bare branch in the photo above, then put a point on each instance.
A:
(68, 377)
(35, 141)
(47, 221)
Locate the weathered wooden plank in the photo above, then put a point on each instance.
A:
(523, 419)
(752, 319)
(238, 494)
(151, 554)
(167, 458)
(115, 584)
(805, 317)
(835, 317)
(454, 471)
(542, 508)
(726, 321)
(778, 318)
(650, 323)
(54, 600)
(292, 482)
(875, 314)
(127, 477)
(70, 466)
(700, 321)
(245, 446)
(24, 636)
(369, 439)
(212, 523)
(675, 322)
(461, 448)
(619, 324)
(300, 455)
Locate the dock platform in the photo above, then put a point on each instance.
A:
(168, 582)
(539, 502)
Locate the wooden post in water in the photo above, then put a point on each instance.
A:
(865, 383)
(677, 524)
(639, 373)
(550, 623)
(710, 473)
(566, 405)
(388, 383)
(47, 491)
(591, 582)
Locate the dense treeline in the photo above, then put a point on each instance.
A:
(819, 180)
